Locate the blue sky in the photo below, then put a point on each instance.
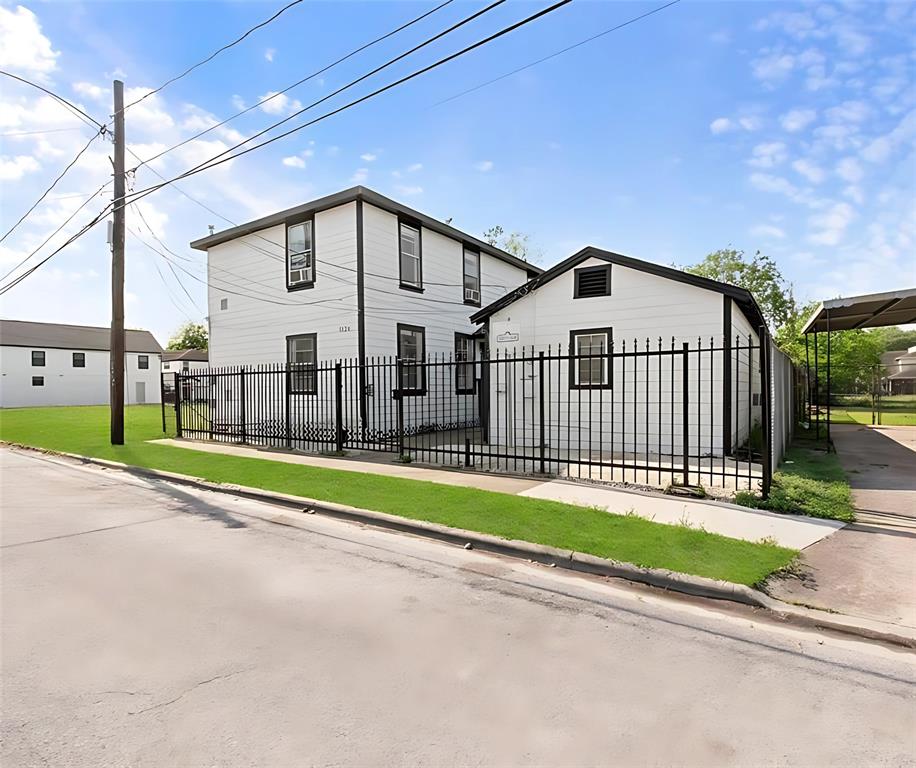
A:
(784, 127)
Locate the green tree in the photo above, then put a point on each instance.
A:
(516, 243)
(759, 275)
(189, 336)
(894, 338)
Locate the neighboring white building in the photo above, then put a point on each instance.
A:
(184, 360)
(596, 301)
(53, 364)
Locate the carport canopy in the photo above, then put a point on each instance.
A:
(873, 310)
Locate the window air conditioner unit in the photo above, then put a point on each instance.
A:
(471, 295)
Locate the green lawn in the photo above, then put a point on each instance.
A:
(808, 482)
(84, 430)
(895, 410)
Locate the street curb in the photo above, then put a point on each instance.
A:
(697, 586)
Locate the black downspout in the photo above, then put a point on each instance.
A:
(361, 318)
(726, 375)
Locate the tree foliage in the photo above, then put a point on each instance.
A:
(516, 243)
(189, 336)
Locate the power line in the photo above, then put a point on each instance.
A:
(36, 133)
(61, 99)
(53, 184)
(214, 54)
(556, 53)
(208, 164)
(295, 85)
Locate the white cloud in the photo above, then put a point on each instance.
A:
(811, 171)
(414, 167)
(854, 193)
(269, 54)
(880, 149)
(14, 168)
(797, 119)
(768, 155)
(294, 161)
(360, 176)
(849, 112)
(238, 102)
(23, 46)
(767, 231)
(484, 166)
(750, 122)
(408, 190)
(773, 67)
(92, 91)
(831, 225)
(150, 113)
(850, 170)
(767, 182)
(721, 125)
(279, 104)
(367, 157)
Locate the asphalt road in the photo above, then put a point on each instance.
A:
(144, 624)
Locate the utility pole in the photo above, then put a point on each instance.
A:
(116, 345)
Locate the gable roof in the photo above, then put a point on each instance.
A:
(741, 296)
(196, 355)
(374, 198)
(21, 333)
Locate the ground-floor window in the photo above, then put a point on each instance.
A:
(302, 356)
(588, 365)
(411, 353)
(38, 381)
(464, 364)
(79, 359)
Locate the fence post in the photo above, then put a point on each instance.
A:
(162, 395)
(766, 410)
(541, 410)
(467, 453)
(287, 378)
(177, 404)
(244, 404)
(338, 407)
(400, 404)
(685, 410)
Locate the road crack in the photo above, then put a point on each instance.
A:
(185, 692)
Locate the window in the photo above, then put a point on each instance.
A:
(38, 359)
(224, 304)
(588, 366)
(185, 365)
(471, 277)
(302, 355)
(411, 353)
(38, 381)
(592, 281)
(411, 257)
(166, 366)
(464, 364)
(79, 359)
(300, 262)
(142, 362)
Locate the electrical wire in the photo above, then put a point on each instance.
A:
(215, 161)
(556, 53)
(72, 107)
(296, 84)
(214, 54)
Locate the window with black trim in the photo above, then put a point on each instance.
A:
(471, 277)
(464, 364)
(302, 356)
(589, 360)
(166, 366)
(38, 358)
(592, 281)
(79, 359)
(185, 365)
(143, 362)
(223, 304)
(410, 256)
(411, 354)
(300, 254)
(38, 381)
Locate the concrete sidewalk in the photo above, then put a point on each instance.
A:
(730, 520)
(869, 568)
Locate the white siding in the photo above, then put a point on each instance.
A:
(253, 328)
(641, 308)
(66, 385)
(745, 368)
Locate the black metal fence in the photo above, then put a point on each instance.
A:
(649, 413)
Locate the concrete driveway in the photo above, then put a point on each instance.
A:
(868, 568)
(146, 624)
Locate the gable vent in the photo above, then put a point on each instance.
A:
(593, 281)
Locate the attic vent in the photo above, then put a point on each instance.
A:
(593, 281)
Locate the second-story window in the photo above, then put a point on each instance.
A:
(143, 362)
(471, 277)
(411, 266)
(79, 359)
(300, 256)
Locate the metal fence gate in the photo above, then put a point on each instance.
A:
(649, 413)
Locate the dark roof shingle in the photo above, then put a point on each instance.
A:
(22, 333)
